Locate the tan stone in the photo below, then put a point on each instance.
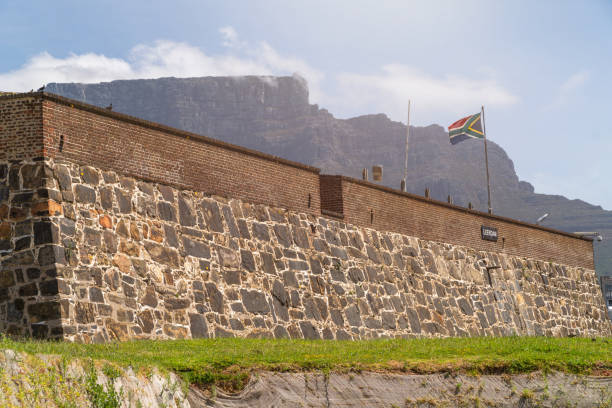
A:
(129, 248)
(228, 258)
(48, 207)
(175, 332)
(55, 209)
(106, 221)
(157, 234)
(4, 212)
(156, 273)
(122, 262)
(455, 271)
(135, 232)
(5, 231)
(117, 331)
(102, 259)
(437, 317)
(122, 229)
(442, 268)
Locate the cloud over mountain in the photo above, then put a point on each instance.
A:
(348, 93)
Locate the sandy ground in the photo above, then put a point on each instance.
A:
(271, 390)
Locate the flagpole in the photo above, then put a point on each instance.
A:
(484, 132)
(406, 154)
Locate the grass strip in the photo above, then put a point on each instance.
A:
(228, 362)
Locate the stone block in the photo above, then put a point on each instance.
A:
(247, 260)
(261, 232)
(212, 216)
(166, 211)
(255, 302)
(45, 232)
(353, 316)
(162, 254)
(215, 298)
(84, 194)
(196, 248)
(309, 331)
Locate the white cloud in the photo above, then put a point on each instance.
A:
(230, 37)
(44, 68)
(575, 81)
(569, 88)
(160, 59)
(433, 97)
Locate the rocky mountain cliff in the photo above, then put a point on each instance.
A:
(273, 114)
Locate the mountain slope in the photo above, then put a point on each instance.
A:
(272, 114)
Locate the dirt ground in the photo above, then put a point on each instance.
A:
(271, 390)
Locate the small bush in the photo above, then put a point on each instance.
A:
(98, 395)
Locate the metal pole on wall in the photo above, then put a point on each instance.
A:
(405, 179)
(484, 132)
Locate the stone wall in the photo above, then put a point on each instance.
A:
(116, 228)
(148, 261)
(29, 301)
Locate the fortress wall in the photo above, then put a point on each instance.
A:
(127, 229)
(151, 261)
(374, 206)
(149, 151)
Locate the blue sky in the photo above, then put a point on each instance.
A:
(543, 69)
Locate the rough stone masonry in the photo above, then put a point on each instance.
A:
(98, 247)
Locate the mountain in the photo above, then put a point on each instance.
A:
(273, 115)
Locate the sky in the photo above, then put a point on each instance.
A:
(542, 69)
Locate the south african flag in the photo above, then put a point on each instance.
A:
(466, 128)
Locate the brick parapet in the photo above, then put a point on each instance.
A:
(153, 152)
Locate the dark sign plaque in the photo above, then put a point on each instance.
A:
(488, 233)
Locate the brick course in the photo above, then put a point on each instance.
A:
(157, 153)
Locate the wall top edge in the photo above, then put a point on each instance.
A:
(458, 208)
(157, 126)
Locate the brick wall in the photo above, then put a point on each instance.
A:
(149, 151)
(20, 127)
(331, 195)
(381, 208)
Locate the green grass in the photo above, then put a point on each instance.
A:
(228, 362)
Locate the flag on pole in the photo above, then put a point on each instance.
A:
(466, 128)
